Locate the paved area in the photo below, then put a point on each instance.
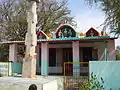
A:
(20, 80)
(13, 83)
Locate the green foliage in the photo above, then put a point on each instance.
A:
(13, 17)
(93, 84)
(112, 11)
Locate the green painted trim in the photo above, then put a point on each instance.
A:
(76, 67)
(17, 67)
(44, 67)
(76, 60)
(76, 38)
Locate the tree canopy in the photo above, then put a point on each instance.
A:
(13, 17)
(112, 11)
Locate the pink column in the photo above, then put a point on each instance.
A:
(38, 59)
(13, 52)
(111, 50)
(44, 58)
(76, 66)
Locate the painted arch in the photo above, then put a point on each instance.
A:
(41, 35)
(66, 31)
(92, 32)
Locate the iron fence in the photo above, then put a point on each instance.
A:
(76, 75)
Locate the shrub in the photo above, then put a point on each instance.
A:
(93, 84)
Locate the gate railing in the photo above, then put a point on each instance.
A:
(75, 74)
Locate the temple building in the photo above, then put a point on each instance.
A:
(67, 45)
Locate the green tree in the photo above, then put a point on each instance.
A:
(13, 17)
(112, 11)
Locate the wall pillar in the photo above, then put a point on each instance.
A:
(106, 51)
(76, 66)
(38, 57)
(13, 52)
(44, 58)
(111, 50)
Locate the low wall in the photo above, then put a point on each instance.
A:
(8, 68)
(109, 71)
(16, 67)
(5, 69)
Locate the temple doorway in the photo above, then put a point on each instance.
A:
(68, 57)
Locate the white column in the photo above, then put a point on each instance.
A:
(44, 58)
(13, 52)
(76, 66)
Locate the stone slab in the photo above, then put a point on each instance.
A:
(42, 83)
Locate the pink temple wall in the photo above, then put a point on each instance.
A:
(111, 50)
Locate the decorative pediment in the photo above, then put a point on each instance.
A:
(92, 32)
(41, 35)
(65, 31)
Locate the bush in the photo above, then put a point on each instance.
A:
(93, 84)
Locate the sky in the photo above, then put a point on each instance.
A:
(87, 16)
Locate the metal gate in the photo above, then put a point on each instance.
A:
(76, 75)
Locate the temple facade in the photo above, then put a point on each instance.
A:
(67, 45)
